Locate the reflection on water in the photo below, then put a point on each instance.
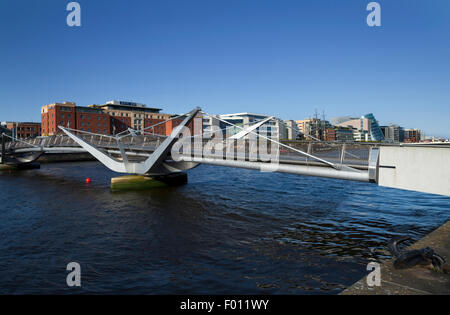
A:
(228, 231)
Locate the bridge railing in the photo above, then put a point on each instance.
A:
(354, 153)
(132, 140)
(15, 143)
(350, 153)
(141, 141)
(336, 153)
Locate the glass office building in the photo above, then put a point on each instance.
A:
(375, 130)
(273, 129)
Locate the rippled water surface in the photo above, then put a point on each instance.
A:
(229, 231)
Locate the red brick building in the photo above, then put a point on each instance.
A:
(92, 120)
(160, 129)
(137, 116)
(69, 115)
(110, 118)
(412, 136)
(170, 125)
(57, 114)
(338, 134)
(23, 130)
(124, 115)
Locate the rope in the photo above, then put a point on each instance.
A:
(86, 132)
(286, 125)
(279, 143)
(152, 126)
(19, 140)
(223, 129)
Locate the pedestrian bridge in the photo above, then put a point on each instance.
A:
(424, 168)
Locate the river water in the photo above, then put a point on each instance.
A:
(229, 231)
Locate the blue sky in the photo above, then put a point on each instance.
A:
(280, 57)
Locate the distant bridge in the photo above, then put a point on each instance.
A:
(412, 167)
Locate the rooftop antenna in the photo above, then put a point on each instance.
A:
(316, 124)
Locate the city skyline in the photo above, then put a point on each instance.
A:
(280, 59)
(316, 115)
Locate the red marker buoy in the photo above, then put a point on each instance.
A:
(88, 180)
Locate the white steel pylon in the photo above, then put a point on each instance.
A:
(156, 164)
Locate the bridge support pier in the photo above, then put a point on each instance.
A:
(139, 182)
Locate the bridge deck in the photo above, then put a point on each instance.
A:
(424, 168)
(351, 154)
